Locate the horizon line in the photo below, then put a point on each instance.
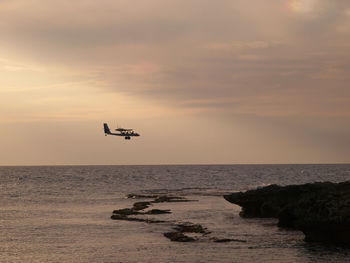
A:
(167, 164)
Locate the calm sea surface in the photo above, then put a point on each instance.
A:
(62, 214)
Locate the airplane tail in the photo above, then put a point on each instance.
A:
(107, 130)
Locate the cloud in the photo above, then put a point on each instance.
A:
(273, 80)
(177, 52)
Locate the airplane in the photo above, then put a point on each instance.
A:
(127, 133)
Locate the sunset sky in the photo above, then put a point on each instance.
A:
(203, 82)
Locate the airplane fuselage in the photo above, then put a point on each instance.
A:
(126, 133)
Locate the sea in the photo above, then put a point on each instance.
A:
(63, 214)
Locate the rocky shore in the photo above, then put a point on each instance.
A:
(180, 231)
(320, 210)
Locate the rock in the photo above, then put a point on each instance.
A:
(141, 205)
(178, 237)
(225, 240)
(133, 211)
(191, 228)
(119, 217)
(326, 220)
(158, 212)
(153, 221)
(160, 198)
(123, 214)
(164, 198)
(126, 212)
(180, 229)
(136, 196)
(263, 202)
(320, 210)
(128, 218)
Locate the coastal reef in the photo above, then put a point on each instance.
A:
(320, 210)
(181, 231)
(138, 207)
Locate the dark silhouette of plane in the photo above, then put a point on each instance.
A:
(127, 133)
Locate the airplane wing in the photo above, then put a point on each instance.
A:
(127, 133)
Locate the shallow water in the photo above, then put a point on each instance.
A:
(62, 214)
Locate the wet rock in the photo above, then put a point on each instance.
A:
(126, 212)
(141, 205)
(136, 196)
(191, 228)
(320, 210)
(178, 237)
(138, 207)
(153, 221)
(133, 211)
(158, 212)
(126, 218)
(135, 219)
(164, 198)
(225, 240)
(326, 220)
(119, 217)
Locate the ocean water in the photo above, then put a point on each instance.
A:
(62, 214)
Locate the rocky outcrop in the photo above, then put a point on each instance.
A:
(180, 231)
(226, 240)
(320, 210)
(138, 207)
(179, 235)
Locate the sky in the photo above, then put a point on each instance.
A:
(202, 81)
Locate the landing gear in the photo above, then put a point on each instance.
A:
(127, 138)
